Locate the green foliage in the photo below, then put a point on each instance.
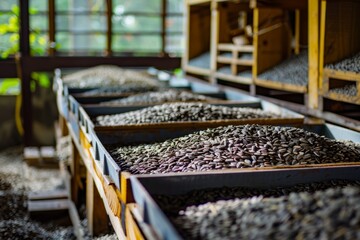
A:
(9, 86)
(38, 42)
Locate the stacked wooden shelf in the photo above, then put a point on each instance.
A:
(339, 51)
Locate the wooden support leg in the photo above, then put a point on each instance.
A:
(252, 89)
(75, 175)
(96, 213)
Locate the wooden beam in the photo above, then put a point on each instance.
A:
(96, 213)
(25, 73)
(50, 63)
(283, 4)
(163, 27)
(109, 15)
(297, 31)
(313, 54)
(52, 28)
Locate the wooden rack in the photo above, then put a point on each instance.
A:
(340, 39)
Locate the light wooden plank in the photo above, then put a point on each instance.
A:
(313, 54)
(280, 86)
(231, 47)
(95, 210)
(114, 219)
(349, 76)
(297, 32)
(235, 79)
(322, 46)
(196, 70)
(132, 228)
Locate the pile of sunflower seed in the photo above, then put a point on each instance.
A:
(235, 147)
(175, 112)
(349, 90)
(172, 204)
(170, 95)
(106, 76)
(292, 71)
(327, 214)
(351, 64)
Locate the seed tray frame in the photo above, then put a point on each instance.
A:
(329, 74)
(143, 186)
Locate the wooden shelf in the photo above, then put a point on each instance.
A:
(342, 78)
(339, 40)
(280, 86)
(232, 47)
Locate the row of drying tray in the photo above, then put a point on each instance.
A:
(79, 112)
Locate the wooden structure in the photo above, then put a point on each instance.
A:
(264, 24)
(340, 39)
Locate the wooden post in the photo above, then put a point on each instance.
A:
(95, 209)
(109, 15)
(75, 175)
(214, 34)
(322, 45)
(25, 76)
(52, 28)
(297, 31)
(313, 54)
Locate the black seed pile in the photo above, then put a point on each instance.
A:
(292, 71)
(176, 112)
(172, 204)
(160, 97)
(228, 147)
(327, 214)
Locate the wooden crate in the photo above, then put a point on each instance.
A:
(197, 56)
(339, 40)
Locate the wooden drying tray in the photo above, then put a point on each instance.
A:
(341, 75)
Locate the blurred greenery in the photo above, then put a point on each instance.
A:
(137, 26)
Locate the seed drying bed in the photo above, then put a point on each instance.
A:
(293, 71)
(229, 147)
(182, 112)
(308, 212)
(106, 76)
(159, 97)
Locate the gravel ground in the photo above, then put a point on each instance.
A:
(351, 64)
(16, 181)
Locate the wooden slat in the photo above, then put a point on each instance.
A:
(133, 230)
(231, 47)
(90, 166)
(232, 78)
(284, 4)
(242, 62)
(196, 70)
(53, 194)
(349, 76)
(313, 54)
(297, 32)
(343, 97)
(280, 86)
(195, 2)
(95, 210)
(75, 219)
(322, 47)
(48, 205)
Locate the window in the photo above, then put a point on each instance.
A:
(80, 28)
